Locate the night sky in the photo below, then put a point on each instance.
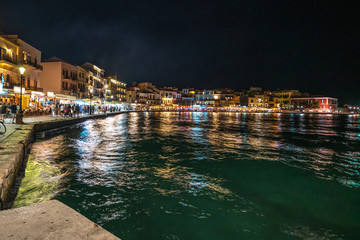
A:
(312, 46)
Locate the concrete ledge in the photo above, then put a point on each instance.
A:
(48, 125)
(12, 155)
(49, 220)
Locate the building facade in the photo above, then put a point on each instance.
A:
(115, 90)
(60, 77)
(9, 73)
(315, 102)
(285, 97)
(96, 79)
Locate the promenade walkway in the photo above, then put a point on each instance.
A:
(10, 127)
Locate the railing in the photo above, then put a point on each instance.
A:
(35, 89)
(8, 59)
(38, 66)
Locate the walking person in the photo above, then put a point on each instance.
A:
(53, 109)
(62, 110)
(73, 110)
(77, 109)
(13, 109)
(69, 110)
(3, 111)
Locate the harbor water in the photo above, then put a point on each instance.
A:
(201, 175)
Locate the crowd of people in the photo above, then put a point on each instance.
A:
(74, 110)
(10, 110)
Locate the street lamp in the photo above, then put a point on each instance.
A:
(22, 71)
(91, 91)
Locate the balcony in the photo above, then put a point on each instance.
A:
(8, 60)
(35, 89)
(33, 64)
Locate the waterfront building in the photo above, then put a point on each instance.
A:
(83, 82)
(115, 90)
(149, 97)
(149, 94)
(274, 103)
(259, 101)
(9, 73)
(284, 97)
(132, 95)
(146, 85)
(60, 78)
(208, 98)
(30, 58)
(314, 102)
(96, 79)
(228, 99)
(169, 96)
(187, 97)
(242, 99)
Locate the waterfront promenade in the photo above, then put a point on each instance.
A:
(10, 127)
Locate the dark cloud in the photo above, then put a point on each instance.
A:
(306, 45)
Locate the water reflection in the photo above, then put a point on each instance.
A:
(45, 177)
(249, 175)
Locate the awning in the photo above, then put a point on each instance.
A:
(37, 93)
(67, 97)
(6, 96)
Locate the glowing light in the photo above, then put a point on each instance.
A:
(22, 70)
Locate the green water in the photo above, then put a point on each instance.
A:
(205, 175)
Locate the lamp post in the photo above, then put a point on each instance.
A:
(91, 91)
(22, 71)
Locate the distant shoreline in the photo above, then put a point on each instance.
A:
(248, 112)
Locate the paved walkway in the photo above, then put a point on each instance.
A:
(10, 127)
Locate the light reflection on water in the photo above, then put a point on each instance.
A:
(206, 175)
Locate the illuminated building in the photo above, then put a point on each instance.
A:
(96, 79)
(83, 82)
(187, 97)
(132, 95)
(314, 102)
(285, 97)
(259, 101)
(170, 96)
(115, 90)
(9, 73)
(60, 77)
(15, 51)
(208, 98)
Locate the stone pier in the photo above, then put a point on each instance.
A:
(49, 220)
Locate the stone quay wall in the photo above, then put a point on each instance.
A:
(14, 148)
